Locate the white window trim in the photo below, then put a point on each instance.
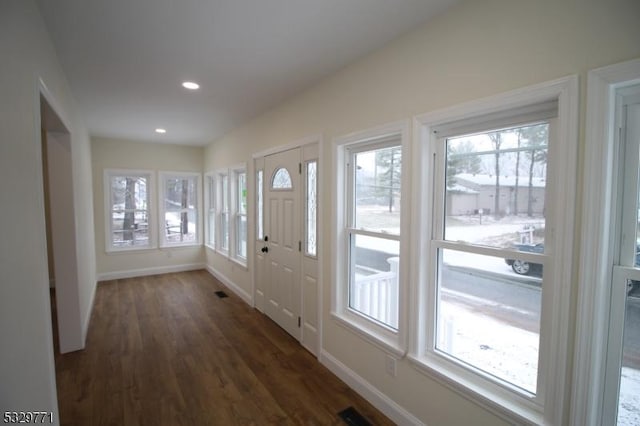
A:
(210, 180)
(219, 175)
(555, 324)
(597, 247)
(108, 173)
(305, 243)
(163, 176)
(233, 180)
(391, 341)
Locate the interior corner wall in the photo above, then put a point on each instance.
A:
(121, 154)
(477, 49)
(27, 371)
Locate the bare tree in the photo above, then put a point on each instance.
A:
(128, 225)
(496, 139)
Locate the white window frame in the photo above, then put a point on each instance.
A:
(234, 235)
(210, 227)
(389, 340)
(221, 210)
(150, 175)
(307, 253)
(556, 302)
(163, 177)
(597, 239)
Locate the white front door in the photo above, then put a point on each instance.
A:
(281, 244)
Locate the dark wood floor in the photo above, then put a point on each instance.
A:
(165, 350)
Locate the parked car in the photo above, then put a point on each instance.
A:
(522, 267)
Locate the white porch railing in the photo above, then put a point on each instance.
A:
(376, 295)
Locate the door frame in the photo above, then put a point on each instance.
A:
(316, 139)
(597, 239)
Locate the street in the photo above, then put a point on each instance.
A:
(517, 303)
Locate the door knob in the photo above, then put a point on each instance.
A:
(265, 249)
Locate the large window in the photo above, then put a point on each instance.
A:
(229, 212)
(128, 214)
(496, 181)
(223, 211)
(210, 239)
(369, 248)
(179, 206)
(240, 231)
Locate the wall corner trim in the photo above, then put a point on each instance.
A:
(242, 294)
(369, 392)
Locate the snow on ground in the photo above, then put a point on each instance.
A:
(629, 402)
(499, 349)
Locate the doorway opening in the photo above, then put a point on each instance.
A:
(57, 174)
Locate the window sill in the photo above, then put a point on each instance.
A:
(241, 264)
(132, 250)
(180, 246)
(499, 401)
(378, 339)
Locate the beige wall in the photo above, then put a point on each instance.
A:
(27, 374)
(120, 154)
(477, 49)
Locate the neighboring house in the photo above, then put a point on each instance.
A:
(470, 193)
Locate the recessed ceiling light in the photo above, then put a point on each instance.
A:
(159, 130)
(190, 85)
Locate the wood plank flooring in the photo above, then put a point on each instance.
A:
(165, 350)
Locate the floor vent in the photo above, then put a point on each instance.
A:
(352, 417)
(221, 294)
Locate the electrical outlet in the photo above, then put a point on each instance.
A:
(390, 365)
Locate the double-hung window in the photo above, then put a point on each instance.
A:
(497, 180)
(210, 239)
(230, 212)
(179, 207)
(222, 185)
(128, 210)
(369, 290)
(240, 212)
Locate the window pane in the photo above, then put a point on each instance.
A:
(312, 186)
(260, 206)
(224, 229)
(495, 187)
(224, 184)
(377, 187)
(242, 193)
(180, 227)
(129, 211)
(489, 317)
(281, 179)
(373, 287)
(180, 194)
(130, 229)
(212, 228)
(629, 398)
(241, 246)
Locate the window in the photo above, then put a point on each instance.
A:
(241, 215)
(493, 312)
(368, 246)
(260, 204)
(223, 218)
(179, 208)
(128, 215)
(230, 213)
(281, 179)
(311, 210)
(211, 212)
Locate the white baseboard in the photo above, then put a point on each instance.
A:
(378, 399)
(231, 285)
(150, 271)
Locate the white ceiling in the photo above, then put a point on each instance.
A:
(125, 59)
